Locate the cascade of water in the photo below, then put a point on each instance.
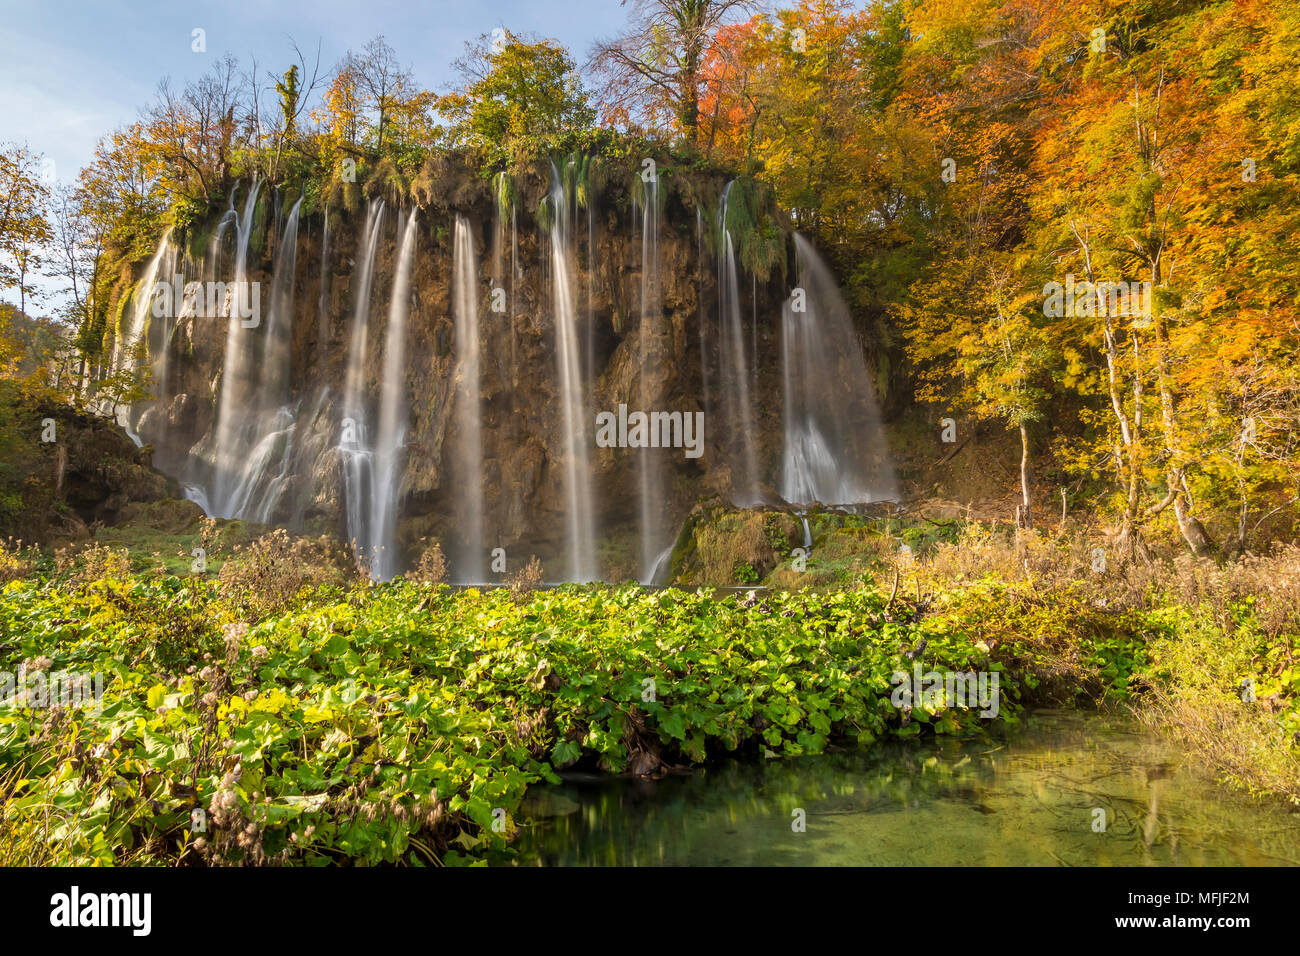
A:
(266, 437)
(649, 336)
(700, 317)
(499, 324)
(199, 495)
(661, 566)
(212, 257)
(514, 278)
(469, 563)
(323, 303)
(834, 451)
(590, 357)
(236, 389)
(500, 190)
(353, 404)
(274, 370)
(159, 336)
(389, 442)
(267, 470)
(734, 371)
(353, 448)
(125, 344)
(578, 488)
(753, 330)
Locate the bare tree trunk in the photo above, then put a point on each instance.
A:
(1130, 427)
(1194, 533)
(1025, 518)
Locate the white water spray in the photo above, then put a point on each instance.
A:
(469, 565)
(578, 490)
(387, 460)
(834, 450)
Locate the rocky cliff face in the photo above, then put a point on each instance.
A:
(77, 471)
(670, 356)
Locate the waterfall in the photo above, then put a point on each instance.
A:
(753, 329)
(267, 469)
(700, 317)
(353, 403)
(334, 447)
(274, 371)
(353, 448)
(198, 495)
(469, 564)
(323, 303)
(386, 461)
(144, 295)
(212, 257)
(734, 371)
(578, 487)
(590, 357)
(649, 333)
(514, 279)
(157, 339)
(834, 450)
(256, 442)
(235, 388)
(266, 437)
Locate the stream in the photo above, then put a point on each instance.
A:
(1029, 798)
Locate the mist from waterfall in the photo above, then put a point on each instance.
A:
(386, 480)
(578, 487)
(734, 367)
(834, 447)
(469, 560)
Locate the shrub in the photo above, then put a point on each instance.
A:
(13, 565)
(268, 574)
(432, 566)
(527, 580)
(95, 563)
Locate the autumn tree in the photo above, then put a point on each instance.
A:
(189, 135)
(340, 114)
(651, 74)
(24, 226)
(383, 81)
(515, 97)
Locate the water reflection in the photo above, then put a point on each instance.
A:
(1032, 799)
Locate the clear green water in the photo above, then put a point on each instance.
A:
(1028, 800)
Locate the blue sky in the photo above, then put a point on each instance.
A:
(72, 72)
